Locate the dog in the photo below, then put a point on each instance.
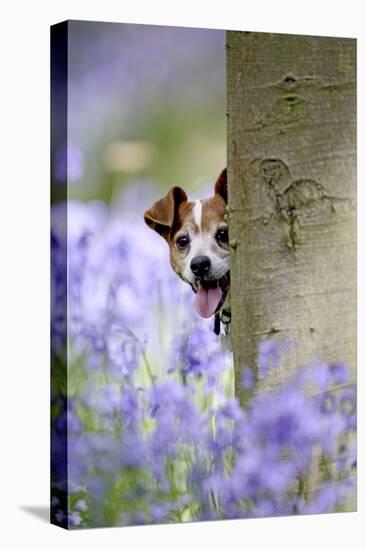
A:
(198, 239)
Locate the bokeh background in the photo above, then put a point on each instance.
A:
(145, 103)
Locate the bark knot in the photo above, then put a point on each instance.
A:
(294, 199)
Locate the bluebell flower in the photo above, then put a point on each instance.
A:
(348, 407)
(165, 396)
(269, 356)
(133, 450)
(69, 165)
(130, 407)
(339, 373)
(328, 496)
(200, 354)
(75, 519)
(96, 487)
(177, 445)
(81, 505)
(160, 511)
(321, 375)
(60, 516)
(247, 378)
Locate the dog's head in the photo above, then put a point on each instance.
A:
(197, 235)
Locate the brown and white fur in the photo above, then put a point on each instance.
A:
(197, 235)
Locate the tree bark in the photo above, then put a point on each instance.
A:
(292, 194)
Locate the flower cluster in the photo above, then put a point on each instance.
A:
(154, 431)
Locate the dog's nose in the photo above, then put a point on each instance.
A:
(200, 265)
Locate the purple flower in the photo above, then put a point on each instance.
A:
(81, 505)
(325, 500)
(161, 448)
(265, 507)
(200, 354)
(269, 356)
(165, 396)
(60, 516)
(339, 373)
(160, 511)
(328, 403)
(233, 411)
(105, 402)
(69, 164)
(247, 378)
(96, 487)
(348, 407)
(133, 450)
(321, 375)
(130, 407)
(75, 519)
(285, 418)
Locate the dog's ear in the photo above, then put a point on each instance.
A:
(221, 185)
(162, 215)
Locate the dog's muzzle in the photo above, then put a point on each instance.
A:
(210, 294)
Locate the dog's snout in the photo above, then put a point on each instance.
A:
(200, 265)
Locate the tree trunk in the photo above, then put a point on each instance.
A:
(292, 191)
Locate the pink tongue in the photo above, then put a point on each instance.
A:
(207, 300)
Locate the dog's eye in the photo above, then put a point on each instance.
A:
(182, 242)
(222, 236)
